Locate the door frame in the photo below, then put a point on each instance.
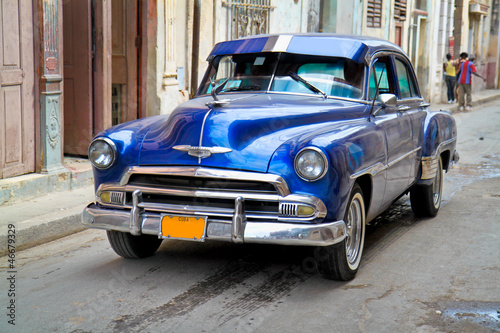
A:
(146, 29)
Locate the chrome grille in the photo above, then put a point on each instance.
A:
(211, 193)
(194, 193)
(205, 183)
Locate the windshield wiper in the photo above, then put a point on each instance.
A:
(309, 85)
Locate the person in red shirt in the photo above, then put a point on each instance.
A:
(464, 80)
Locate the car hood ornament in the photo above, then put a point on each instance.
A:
(202, 152)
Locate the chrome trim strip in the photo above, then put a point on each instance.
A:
(379, 167)
(402, 157)
(372, 170)
(323, 234)
(277, 181)
(201, 132)
(444, 143)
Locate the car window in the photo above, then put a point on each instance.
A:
(340, 77)
(240, 72)
(381, 74)
(406, 84)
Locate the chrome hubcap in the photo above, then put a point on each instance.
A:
(354, 225)
(436, 187)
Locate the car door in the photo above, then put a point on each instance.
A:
(396, 124)
(411, 103)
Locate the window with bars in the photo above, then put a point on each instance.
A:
(374, 14)
(400, 10)
(249, 17)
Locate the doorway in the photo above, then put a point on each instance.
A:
(17, 86)
(80, 56)
(125, 44)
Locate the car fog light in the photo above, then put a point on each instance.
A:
(112, 197)
(295, 210)
(305, 210)
(105, 197)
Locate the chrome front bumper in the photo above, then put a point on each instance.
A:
(239, 230)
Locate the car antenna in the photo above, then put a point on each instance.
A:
(378, 84)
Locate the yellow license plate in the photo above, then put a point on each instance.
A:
(183, 227)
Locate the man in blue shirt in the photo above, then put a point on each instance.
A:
(464, 80)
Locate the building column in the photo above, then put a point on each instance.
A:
(50, 85)
(170, 82)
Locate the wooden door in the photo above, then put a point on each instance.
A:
(124, 60)
(17, 108)
(78, 92)
(399, 33)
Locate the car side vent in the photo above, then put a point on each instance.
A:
(117, 198)
(288, 209)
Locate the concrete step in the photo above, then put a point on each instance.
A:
(76, 173)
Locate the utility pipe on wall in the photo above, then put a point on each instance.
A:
(196, 47)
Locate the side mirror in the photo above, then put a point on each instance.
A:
(386, 100)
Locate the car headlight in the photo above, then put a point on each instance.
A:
(102, 153)
(311, 164)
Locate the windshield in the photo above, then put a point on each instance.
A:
(261, 72)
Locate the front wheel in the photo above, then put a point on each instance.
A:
(426, 199)
(133, 247)
(341, 261)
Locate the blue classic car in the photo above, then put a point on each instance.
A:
(296, 139)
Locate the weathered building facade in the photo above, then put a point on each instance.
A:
(427, 30)
(69, 69)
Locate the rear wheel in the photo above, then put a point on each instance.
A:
(426, 199)
(133, 247)
(341, 261)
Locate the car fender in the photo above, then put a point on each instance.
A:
(439, 136)
(127, 138)
(353, 149)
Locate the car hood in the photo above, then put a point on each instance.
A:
(253, 126)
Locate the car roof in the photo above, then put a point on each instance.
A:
(355, 47)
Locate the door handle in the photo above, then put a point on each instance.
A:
(424, 105)
(403, 108)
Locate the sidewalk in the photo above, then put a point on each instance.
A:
(478, 98)
(43, 207)
(47, 207)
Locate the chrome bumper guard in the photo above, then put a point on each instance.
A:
(138, 221)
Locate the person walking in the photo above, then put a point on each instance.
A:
(450, 78)
(464, 80)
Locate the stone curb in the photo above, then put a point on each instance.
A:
(42, 233)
